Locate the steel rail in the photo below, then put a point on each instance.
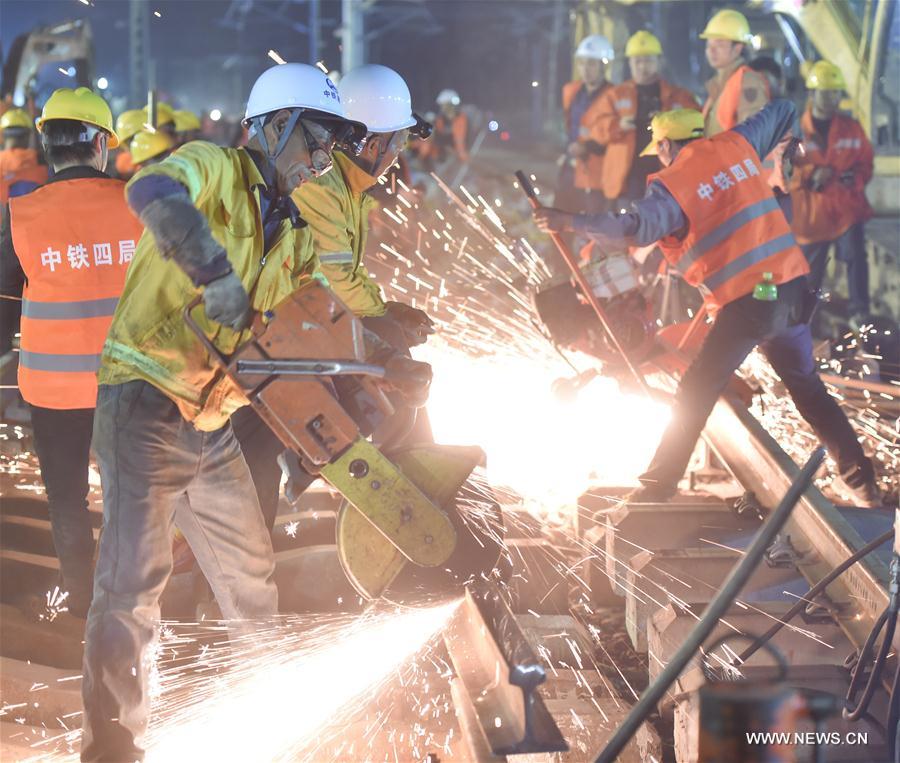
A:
(821, 537)
(497, 676)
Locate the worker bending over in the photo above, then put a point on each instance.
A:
(66, 250)
(336, 206)
(716, 221)
(220, 224)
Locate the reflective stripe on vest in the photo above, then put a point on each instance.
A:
(88, 308)
(42, 361)
(74, 239)
(747, 260)
(337, 258)
(724, 230)
(736, 229)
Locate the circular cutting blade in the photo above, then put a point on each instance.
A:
(478, 521)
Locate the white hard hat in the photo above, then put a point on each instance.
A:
(293, 86)
(448, 96)
(378, 97)
(595, 46)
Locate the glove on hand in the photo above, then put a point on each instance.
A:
(411, 378)
(226, 302)
(416, 324)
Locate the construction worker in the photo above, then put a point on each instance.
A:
(736, 91)
(128, 124)
(21, 169)
(623, 125)
(337, 208)
(150, 147)
(828, 188)
(66, 250)
(220, 224)
(450, 140)
(716, 221)
(187, 126)
(580, 183)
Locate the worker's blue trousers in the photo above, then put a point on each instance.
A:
(774, 327)
(849, 248)
(157, 471)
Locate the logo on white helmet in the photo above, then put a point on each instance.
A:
(332, 91)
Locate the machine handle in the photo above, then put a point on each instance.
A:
(278, 367)
(219, 359)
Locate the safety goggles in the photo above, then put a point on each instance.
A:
(320, 143)
(422, 129)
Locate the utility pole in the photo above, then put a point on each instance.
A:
(139, 52)
(353, 37)
(314, 30)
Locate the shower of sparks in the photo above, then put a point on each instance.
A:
(290, 691)
(267, 686)
(879, 432)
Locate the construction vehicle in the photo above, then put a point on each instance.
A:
(28, 79)
(411, 526)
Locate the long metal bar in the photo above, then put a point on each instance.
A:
(310, 368)
(585, 287)
(498, 675)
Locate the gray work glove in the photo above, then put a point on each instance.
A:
(416, 324)
(411, 378)
(226, 302)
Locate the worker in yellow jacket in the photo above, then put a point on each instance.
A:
(336, 206)
(219, 224)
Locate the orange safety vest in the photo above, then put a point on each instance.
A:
(588, 171)
(74, 239)
(17, 164)
(736, 231)
(615, 104)
(827, 214)
(729, 99)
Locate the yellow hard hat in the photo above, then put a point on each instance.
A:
(165, 114)
(185, 121)
(146, 145)
(16, 118)
(679, 124)
(727, 25)
(824, 75)
(642, 44)
(81, 105)
(130, 123)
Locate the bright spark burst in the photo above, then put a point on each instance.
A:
(281, 690)
(548, 450)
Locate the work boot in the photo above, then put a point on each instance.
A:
(862, 489)
(651, 494)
